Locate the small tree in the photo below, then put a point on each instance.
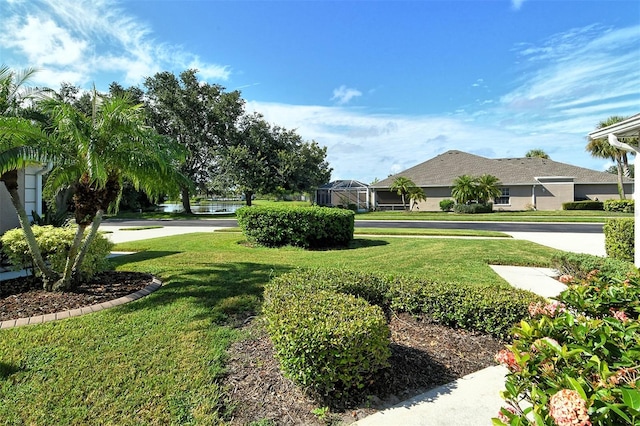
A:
(416, 195)
(464, 189)
(482, 189)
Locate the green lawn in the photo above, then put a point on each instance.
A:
(160, 360)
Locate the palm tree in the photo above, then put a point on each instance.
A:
(403, 186)
(22, 143)
(464, 189)
(537, 153)
(487, 188)
(416, 194)
(99, 151)
(601, 148)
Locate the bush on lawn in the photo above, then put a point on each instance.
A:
(577, 360)
(307, 227)
(447, 205)
(473, 208)
(329, 342)
(579, 265)
(54, 243)
(622, 206)
(583, 205)
(619, 238)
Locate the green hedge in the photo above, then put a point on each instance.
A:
(583, 205)
(54, 243)
(579, 265)
(622, 206)
(473, 208)
(308, 227)
(327, 341)
(619, 238)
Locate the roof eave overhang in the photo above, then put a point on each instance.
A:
(628, 127)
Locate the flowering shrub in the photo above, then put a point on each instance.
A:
(577, 360)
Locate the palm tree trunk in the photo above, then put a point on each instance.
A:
(625, 165)
(620, 182)
(48, 275)
(65, 283)
(75, 270)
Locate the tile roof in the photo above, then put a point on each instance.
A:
(443, 169)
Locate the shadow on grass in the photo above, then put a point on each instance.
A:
(7, 370)
(140, 257)
(228, 291)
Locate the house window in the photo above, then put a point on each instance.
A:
(504, 198)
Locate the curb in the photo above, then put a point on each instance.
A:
(40, 319)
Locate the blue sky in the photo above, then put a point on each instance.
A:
(383, 84)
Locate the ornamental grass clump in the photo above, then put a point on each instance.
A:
(576, 361)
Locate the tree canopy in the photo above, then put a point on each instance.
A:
(537, 153)
(482, 189)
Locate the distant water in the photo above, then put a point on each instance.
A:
(208, 208)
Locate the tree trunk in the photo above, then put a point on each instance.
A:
(75, 270)
(66, 282)
(247, 197)
(186, 204)
(620, 181)
(10, 180)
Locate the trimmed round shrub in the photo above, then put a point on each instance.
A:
(329, 342)
(307, 227)
(54, 243)
(619, 238)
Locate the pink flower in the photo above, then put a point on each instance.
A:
(592, 274)
(502, 417)
(619, 315)
(506, 357)
(565, 279)
(550, 309)
(568, 409)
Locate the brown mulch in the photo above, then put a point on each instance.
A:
(424, 355)
(24, 297)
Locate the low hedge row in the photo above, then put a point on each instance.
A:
(619, 238)
(54, 243)
(622, 206)
(308, 227)
(473, 208)
(583, 205)
(579, 265)
(322, 321)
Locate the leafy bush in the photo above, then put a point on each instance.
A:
(447, 205)
(619, 238)
(308, 227)
(577, 360)
(623, 206)
(332, 343)
(55, 243)
(583, 205)
(486, 308)
(579, 265)
(473, 208)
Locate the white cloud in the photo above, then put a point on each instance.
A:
(342, 95)
(516, 4)
(83, 38)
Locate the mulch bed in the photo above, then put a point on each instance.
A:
(424, 355)
(24, 297)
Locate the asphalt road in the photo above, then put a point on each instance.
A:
(584, 228)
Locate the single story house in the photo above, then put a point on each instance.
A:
(30, 190)
(526, 183)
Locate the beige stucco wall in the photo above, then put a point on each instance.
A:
(602, 191)
(550, 196)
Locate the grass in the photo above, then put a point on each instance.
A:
(161, 359)
(140, 228)
(413, 232)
